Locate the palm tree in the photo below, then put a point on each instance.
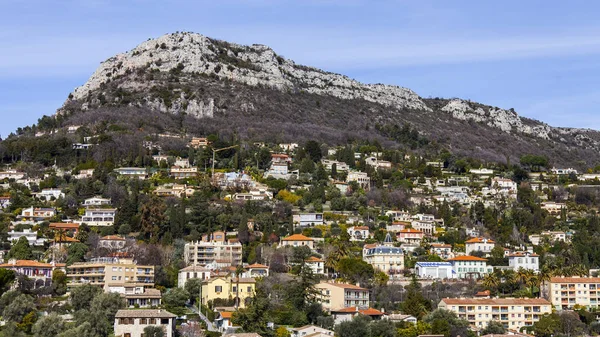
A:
(544, 275)
(510, 276)
(533, 281)
(523, 274)
(340, 251)
(491, 282)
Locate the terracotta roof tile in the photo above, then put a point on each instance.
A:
(497, 301)
(561, 279)
(467, 258)
(297, 237)
(368, 312)
(480, 240)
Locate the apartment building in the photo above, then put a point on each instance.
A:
(566, 292)
(389, 260)
(112, 274)
(208, 252)
(336, 296)
(513, 313)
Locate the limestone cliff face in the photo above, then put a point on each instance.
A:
(188, 73)
(251, 65)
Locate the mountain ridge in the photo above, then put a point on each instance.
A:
(170, 74)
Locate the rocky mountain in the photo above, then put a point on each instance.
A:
(255, 93)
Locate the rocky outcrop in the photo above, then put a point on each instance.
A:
(505, 120)
(251, 65)
(170, 74)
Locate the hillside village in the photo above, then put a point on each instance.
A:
(205, 236)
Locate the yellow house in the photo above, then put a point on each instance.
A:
(227, 288)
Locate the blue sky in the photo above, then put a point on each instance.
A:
(538, 57)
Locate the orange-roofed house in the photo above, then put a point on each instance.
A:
(479, 244)
(298, 240)
(317, 265)
(525, 260)
(223, 320)
(63, 241)
(336, 296)
(40, 272)
(358, 233)
(71, 228)
(112, 242)
(513, 313)
(470, 267)
(280, 158)
(256, 270)
(347, 314)
(410, 235)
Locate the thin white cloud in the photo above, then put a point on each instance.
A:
(447, 51)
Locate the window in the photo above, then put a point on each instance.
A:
(143, 321)
(234, 289)
(249, 289)
(218, 289)
(114, 278)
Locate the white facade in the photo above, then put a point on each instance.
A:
(131, 323)
(192, 272)
(339, 166)
(434, 270)
(99, 217)
(307, 219)
(360, 177)
(358, 233)
(479, 244)
(96, 201)
(378, 164)
(48, 193)
(525, 260)
(470, 267)
(563, 171)
(4, 202)
(316, 265)
(481, 171)
(30, 235)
